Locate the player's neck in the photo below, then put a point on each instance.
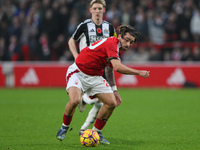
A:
(97, 21)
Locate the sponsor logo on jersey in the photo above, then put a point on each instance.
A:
(92, 30)
(30, 77)
(94, 38)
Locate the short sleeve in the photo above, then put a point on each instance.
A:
(113, 31)
(78, 32)
(112, 48)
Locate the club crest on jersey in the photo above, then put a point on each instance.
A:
(105, 31)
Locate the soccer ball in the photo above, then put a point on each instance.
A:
(89, 138)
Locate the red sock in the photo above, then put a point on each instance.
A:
(67, 120)
(99, 124)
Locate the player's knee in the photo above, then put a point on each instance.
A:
(75, 101)
(112, 105)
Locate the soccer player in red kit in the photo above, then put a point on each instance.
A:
(86, 33)
(85, 75)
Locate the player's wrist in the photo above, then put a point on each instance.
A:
(138, 72)
(114, 88)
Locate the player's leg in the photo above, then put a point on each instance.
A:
(73, 88)
(89, 100)
(92, 115)
(74, 99)
(86, 100)
(104, 113)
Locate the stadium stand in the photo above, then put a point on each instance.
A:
(38, 30)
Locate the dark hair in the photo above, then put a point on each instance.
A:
(123, 29)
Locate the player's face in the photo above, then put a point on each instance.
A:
(126, 41)
(97, 11)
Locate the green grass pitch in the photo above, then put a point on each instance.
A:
(147, 119)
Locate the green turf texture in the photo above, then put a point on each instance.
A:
(147, 119)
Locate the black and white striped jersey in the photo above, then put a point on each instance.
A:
(88, 32)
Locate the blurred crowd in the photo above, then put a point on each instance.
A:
(38, 30)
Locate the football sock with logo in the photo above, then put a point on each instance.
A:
(99, 124)
(91, 116)
(67, 120)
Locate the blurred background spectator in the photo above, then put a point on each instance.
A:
(38, 30)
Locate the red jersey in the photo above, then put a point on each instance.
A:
(93, 59)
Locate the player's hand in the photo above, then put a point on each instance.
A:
(144, 74)
(118, 98)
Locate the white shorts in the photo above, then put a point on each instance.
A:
(90, 84)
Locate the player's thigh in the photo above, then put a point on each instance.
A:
(74, 95)
(107, 98)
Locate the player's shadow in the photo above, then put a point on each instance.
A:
(123, 141)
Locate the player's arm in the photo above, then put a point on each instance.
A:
(108, 70)
(112, 31)
(111, 80)
(72, 47)
(115, 34)
(75, 37)
(119, 67)
(110, 76)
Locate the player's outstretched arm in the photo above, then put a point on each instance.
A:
(110, 76)
(119, 67)
(111, 80)
(72, 47)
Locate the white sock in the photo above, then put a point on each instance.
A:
(94, 128)
(89, 100)
(92, 115)
(65, 126)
